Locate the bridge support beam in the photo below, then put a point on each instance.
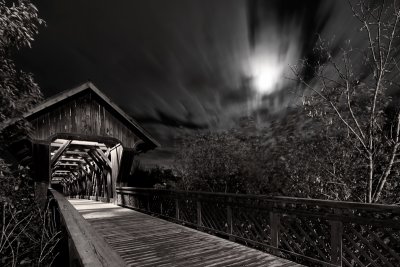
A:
(116, 156)
(126, 164)
(41, 170)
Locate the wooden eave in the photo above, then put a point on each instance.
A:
(62, 97)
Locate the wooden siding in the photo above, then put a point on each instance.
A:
(84, 115)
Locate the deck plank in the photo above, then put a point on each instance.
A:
(143, 240)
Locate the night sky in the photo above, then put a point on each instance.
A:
(180, 66)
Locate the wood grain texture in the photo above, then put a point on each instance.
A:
(85, 110)
(143, 240)
(90, 246)
(82, 116)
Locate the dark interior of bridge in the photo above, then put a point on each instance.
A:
(82, 168)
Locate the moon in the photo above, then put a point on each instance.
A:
(267, 73)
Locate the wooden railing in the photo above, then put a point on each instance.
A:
(308, 231)
(85, 246)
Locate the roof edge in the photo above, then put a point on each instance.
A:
(90, 86)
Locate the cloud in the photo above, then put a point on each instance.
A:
(177, 66)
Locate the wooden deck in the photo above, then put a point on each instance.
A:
(143, 240)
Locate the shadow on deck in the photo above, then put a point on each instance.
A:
(143, 240)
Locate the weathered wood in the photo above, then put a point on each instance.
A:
(274, 219)
(95, 159)
(328, 233)
(177, 209)
(63, 159)
(104, 157)
(91, 248)
(336, 240)
(109, 185)
(116, 154)
(86, 111)
(229, 220)
(125, 165)
(88, 163)
(284, 200)
(65, 164)
(77, 153)
(198, 211)
(75, 122)
(143, 240)
(59, 152)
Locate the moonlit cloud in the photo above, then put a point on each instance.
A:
(274, 51)
(178, 66)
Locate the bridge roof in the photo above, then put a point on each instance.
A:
(67, 95)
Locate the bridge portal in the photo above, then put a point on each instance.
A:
(81, 143)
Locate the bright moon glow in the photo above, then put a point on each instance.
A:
(267, 73)
(276, 49)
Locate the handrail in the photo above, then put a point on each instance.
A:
(322, 202)
(89, 248)
(309, 231)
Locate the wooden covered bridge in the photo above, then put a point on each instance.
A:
(82, 146)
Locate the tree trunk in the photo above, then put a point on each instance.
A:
(370, 178)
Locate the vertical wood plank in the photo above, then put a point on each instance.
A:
(275, 221)
(116, 154)
(82, 115)
(176, 209)
(125, 167)
(198, 209)
(109, 188)
(336, 240)
(74, 128)
(229, 219)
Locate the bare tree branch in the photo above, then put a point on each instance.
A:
(334, 108)
(385, 175)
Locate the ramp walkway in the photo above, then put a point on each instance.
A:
(144, 240)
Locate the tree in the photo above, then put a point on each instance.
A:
(234, 161)
(311, 160)
(18, 25)
(18, 92)
(348, 93)
(27, 235)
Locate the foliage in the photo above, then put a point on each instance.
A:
(28, 234)
(151, 177)
(312, 160)
(342, 143)
(232, 161)
(18, 92)
(349, 96)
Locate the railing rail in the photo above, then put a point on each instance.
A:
(319, 232)
(86, 246)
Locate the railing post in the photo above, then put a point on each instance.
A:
(148, 203)
(176, 208)
(198, 208)
(229, 219)
(336, 240)
(275, 221)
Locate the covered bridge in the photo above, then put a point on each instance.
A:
(82, 143)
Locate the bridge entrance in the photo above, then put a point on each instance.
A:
(84, 168)
(81, 144)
